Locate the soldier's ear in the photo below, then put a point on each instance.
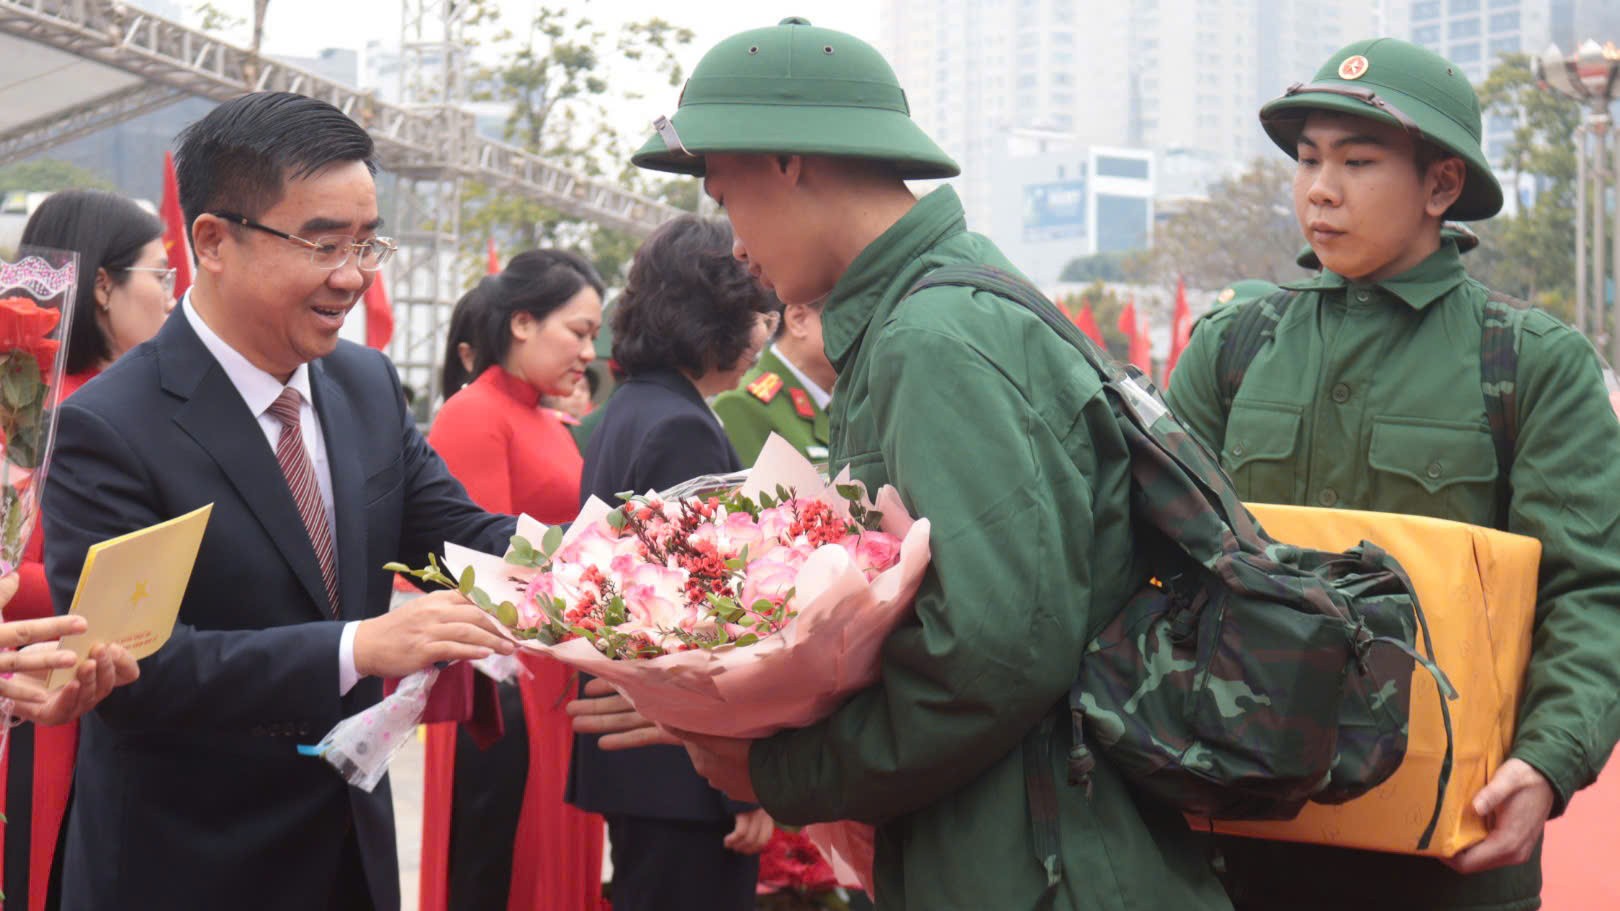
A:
(1443, 184)
(790, 167)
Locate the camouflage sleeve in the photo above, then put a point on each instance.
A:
(1566, 492)
(1002, 613)
(1194, 390)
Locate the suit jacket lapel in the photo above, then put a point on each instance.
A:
(214, 415)
(343, 458)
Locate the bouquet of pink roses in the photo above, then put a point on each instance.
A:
(735, 606)
(718, 608)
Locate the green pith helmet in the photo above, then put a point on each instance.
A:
(793, 90)
(1466, 240)
(1244, 291)
(1394, 82)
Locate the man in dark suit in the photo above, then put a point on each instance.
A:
(190, 789)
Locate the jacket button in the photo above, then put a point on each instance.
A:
(1237, 450)
(1341, 393)
(1434, 470)
(1361, 296)
(1328, 496)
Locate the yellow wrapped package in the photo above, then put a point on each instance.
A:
(1477, 588)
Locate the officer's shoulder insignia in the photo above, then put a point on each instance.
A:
(765, 387)
(802, 404)
(1353, 67)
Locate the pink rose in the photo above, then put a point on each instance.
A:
(770, 578)
(595, 546)
(875, 552)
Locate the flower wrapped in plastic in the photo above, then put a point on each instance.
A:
(736, 613)
(36, 310)
(734, 606)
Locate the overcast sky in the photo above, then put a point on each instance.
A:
(291, 29)
(291, 25)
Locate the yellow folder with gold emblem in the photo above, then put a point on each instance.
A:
(130, 588)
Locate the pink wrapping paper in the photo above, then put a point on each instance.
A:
(789, 680)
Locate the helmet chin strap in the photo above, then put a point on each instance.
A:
(672, 139)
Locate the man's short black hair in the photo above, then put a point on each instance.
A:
(687, 305)
(240, 156)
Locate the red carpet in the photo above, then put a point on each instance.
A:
(1581, 858)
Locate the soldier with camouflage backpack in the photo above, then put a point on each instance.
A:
(1392, 381)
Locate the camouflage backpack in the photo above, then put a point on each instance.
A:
(1249, 676)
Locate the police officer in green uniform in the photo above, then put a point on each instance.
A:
(987, 424)
(786, 393)
(1370, 394)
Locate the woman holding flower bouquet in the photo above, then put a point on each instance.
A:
(690, 323)
(509, 839)
(125, 292)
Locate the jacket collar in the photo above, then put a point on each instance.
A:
(1417, 287)
(674, 382)
(871, 278)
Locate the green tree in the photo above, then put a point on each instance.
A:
(48, 175)
(1531, 254)
(1108, 267)
(558, 85)
(1245, 229)
(1106, 305)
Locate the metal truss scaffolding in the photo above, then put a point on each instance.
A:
(430, 143)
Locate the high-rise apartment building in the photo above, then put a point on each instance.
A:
(1184, 75)
(1474, 34)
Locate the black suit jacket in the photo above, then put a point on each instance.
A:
(190, 792)
(656, 432)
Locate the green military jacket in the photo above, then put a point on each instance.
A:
(1369, 397)
(989, 425)
(770, 398)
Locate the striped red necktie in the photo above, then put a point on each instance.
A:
(306, 491)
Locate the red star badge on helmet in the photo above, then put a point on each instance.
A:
(1353, 67)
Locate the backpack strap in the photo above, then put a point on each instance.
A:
(1253, 326)
(1498, 373)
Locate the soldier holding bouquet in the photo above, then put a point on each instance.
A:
(803, 137)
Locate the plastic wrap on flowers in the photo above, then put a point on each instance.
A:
(788, 601)
(827, 649)
(361, 746)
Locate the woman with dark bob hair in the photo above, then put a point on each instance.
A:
(125, 291)
(496, 832)
(690, 323)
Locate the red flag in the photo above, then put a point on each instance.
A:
(1141, 351)
(175, 236)
(1088, 323)
(1180, 330)
(494, 260)
(379, 315)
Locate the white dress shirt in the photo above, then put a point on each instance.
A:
(259, 390)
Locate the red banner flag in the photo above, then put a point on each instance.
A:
(175, 235)
(494, 260)
(379, 315)
(1141, 351)
(1088, 323)
(1180, 330)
